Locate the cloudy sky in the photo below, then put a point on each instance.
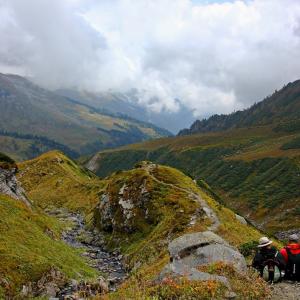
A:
(211, 56)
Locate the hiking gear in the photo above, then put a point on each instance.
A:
(263, 242)
(271, 271)
(294, 238)
(293, 264)
(270, 263)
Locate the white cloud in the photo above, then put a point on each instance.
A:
(210, 57)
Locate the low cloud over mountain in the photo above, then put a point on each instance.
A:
(210, 56)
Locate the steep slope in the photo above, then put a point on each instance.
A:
(254, 171)
(34, 120)
(282, 110)
(30, 245)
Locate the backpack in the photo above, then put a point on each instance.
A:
(271, 270)
(293, 265)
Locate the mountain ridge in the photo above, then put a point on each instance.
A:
(282, 106)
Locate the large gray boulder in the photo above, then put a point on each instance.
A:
(185, 244)
(203, 248)
(215, 253)
(193, 250)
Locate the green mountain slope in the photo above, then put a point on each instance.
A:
(282, 110)
(34, 120)
(254, 171)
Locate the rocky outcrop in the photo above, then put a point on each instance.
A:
(124, 209)
(93, 164)
(191, 251)
(11, 187)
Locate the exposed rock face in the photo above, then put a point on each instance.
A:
(193, 250)
(93, 164)
(10, 186)
(124, 209)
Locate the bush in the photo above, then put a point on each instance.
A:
(247, 249)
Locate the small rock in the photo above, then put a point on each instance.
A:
(230, 295)
(241, 219)
(74, 284)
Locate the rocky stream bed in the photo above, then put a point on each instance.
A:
(109, 264)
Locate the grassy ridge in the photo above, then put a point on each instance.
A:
(282, 108)
(53, 180)
(252, 169)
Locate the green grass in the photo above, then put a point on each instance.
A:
(27, 250)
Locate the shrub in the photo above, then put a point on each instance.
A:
(247, 249)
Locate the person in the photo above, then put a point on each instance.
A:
(291, 255)
(268, 261)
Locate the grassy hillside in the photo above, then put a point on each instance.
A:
(254, 170)
(282, 107)
(30, 246)
(34, 120)
(170, 208)
(54, 180)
